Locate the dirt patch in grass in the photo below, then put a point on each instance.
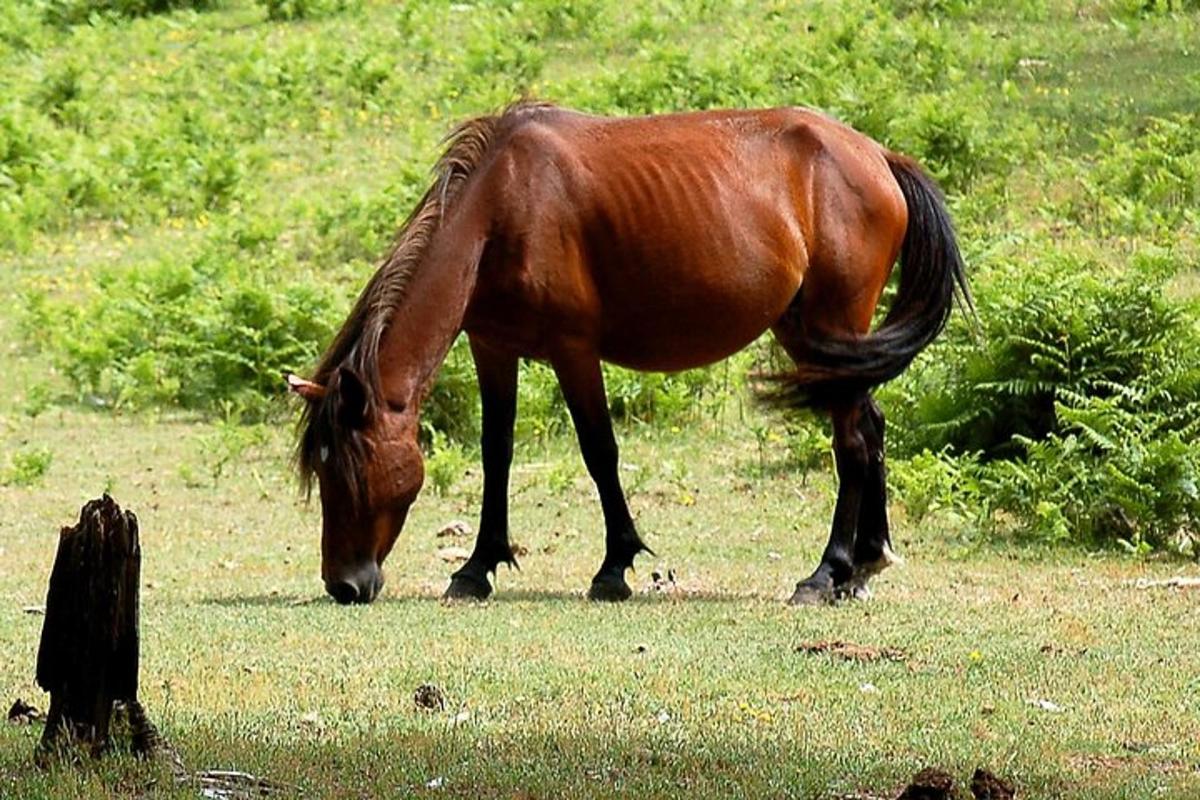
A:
(848, 651)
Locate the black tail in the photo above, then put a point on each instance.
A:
(931, 273)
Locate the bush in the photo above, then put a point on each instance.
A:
(283, 10)
(1052, 331)
(1148, 181)
(201, 335)
(1074, 412)
(73, 12)
(26, 467)
(1117, 470)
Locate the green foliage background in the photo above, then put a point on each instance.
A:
(204, 186)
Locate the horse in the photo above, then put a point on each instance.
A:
(659, 243)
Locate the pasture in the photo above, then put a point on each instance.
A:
(192, 199)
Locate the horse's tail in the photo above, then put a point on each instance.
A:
(931, 274)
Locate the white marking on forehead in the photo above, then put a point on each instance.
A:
(324, 453)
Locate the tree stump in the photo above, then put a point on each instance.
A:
(88, 657)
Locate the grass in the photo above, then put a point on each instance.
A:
(700, 690)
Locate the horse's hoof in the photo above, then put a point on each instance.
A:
(809, 595)
(465, 587)
(858, 591)
(610, 591)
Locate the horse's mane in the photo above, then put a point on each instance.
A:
(323, 437)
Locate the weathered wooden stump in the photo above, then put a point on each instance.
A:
(88, 657)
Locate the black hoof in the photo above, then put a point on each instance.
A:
(467, 587)
(808, 594)
(610, 591)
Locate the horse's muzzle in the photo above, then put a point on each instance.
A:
(361, 585)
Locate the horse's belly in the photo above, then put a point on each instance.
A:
(695, 270)
(673, 317)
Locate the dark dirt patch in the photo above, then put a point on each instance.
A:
(931, 784)
(429, 697)
(21, 713)
(848, 651)
(986, 786)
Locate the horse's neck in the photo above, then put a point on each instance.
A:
(430, 316)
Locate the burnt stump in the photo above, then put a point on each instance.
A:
(88, 656)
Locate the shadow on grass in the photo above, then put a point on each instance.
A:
(415, 597)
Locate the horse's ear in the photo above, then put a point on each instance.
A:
(312, 392)
(353, 394)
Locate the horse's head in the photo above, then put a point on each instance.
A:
(368, 466)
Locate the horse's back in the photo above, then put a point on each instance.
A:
(637, 233)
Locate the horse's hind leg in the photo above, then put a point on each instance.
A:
(872, 544)
(582, 383)
(497, 372)
(852, 458)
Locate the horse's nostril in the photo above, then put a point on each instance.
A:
(343, 591)
(356, 585)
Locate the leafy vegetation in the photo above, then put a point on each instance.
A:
(26, 467)
(191, 195)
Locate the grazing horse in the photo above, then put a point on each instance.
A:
(657, 243)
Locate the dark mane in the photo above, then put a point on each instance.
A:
(356, 346)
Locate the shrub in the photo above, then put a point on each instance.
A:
(73, 12)
(283, 10)
(1055, 330)
(26, 467)
(1074, 412)
(1148, 181)
(200, 335)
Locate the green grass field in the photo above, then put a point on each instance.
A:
(697, 689)
(265, 155)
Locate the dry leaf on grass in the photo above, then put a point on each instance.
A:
(456, 529)
(1177, 582)
(227, 784)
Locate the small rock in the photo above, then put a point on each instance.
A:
(429, 697)
(435, 783)
(1046, 705)
(986, 786)
(313, 720)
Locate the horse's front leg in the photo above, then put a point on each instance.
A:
(497, 373)
(582, 383)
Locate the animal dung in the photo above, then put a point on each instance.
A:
(428, 697)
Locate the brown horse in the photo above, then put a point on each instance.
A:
(656, 243)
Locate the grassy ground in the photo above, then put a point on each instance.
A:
(696, 689)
